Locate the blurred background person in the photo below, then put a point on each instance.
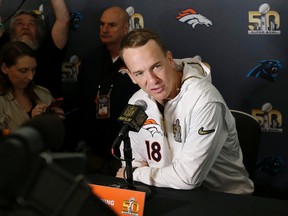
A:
(104, 92)
(20, 99)
(29, 27)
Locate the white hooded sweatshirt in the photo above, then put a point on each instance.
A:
(195, 143)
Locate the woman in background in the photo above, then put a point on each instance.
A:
(20, 99)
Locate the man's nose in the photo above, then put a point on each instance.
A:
(25, 25)
(152, 77)
(105, 28)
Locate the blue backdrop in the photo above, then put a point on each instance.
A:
(245, 43)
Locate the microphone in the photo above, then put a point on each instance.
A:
(27, 176)
(51, 130)
(133, 117)
(142, 104)
(19, 151)
(41, 133)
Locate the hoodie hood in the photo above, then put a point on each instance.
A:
(193, 67)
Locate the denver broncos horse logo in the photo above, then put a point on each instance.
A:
(191, 17)
(152, 126)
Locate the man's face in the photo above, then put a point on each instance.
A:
(25, 30)
(112, 27)
(152, 70)
(22, 73)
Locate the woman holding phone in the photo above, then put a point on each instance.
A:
(20, 98)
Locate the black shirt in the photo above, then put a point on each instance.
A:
(97, 68)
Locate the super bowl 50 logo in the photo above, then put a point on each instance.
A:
(269, 119)
(130, 207)
(264, 21)
(136, 20)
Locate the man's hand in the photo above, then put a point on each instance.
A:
(120, 173)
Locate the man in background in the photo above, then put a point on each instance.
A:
(104, 92)
(29, 27)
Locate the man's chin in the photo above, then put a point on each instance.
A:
(25, 37)
(29, 42)
(106, 40)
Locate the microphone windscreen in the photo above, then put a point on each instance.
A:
(50, 127)
(142, 104)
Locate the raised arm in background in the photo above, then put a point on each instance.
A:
(61, 26)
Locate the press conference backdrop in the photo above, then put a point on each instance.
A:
(245, 43)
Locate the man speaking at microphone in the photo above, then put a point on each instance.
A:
(189, 139)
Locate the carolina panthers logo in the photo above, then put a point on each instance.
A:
(75, 19)
(270, 164)
(192, 18)
(267, 69)
(153, 127)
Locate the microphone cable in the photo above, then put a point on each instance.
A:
(113, 153)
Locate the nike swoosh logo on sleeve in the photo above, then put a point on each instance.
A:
(201, 131)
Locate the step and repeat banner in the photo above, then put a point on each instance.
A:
(245, 42)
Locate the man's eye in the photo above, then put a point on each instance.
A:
(157, 68)
(32, 24)
(139, 74)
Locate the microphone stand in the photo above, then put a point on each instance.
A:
(129, 169)
(128, 161)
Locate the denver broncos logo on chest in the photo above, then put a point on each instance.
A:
(152, 127)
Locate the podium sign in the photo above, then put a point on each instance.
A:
(121, 201)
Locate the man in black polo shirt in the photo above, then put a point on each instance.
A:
(104, 92)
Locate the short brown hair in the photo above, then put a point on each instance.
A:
(139, 37)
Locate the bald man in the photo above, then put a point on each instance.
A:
(104, 92)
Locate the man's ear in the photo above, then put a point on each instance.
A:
(126, 28)
(124, 70)
(4, 68)
(131, 77)
(170, 57)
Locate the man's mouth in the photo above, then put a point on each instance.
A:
(156, 90)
